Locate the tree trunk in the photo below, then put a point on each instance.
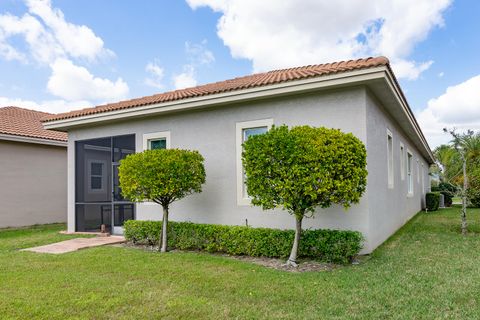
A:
(292, 260)
(464, 197)
(163, 240)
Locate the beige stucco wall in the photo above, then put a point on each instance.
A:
(390, 207)
(33, 184)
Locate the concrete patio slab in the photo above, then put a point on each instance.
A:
(76, 244)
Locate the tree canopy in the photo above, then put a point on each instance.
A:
(162, 176)
(302, 168)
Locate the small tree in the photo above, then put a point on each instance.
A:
(302, 169)
(161, 176)
(461, 144)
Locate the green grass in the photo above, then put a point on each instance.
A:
(427, 270)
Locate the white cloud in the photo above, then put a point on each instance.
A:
(50, 40)
(197, 55)
(410, 69)
(52, 106)
(78, 41)
(48, 35)
(275, 34)
(156, 74)
(185, 79)
(42, 46)
(72, 82)
(458, 106)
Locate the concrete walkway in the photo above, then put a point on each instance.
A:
(76, 244)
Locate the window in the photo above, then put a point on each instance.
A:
(156, 140)
(402, 161)
(244, 130)
(409, 173)
(390, 158)
(418, 171)
(423, 179)
(155, 144)
(96, 176)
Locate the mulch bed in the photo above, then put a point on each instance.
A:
(273, 263)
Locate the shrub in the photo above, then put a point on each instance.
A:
(432, 200)
(473, 196)
(325, 245)
(448, 190)
(302, 169)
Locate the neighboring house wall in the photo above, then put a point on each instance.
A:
(390, 206)
(33, 183)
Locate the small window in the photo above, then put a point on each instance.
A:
(156, 140)
(244, 131)
(246, 134)
(423, 179)
(390, 158)
(402, 161)
(155, 144)
(418, 171)
(96, 177)
(409, 173)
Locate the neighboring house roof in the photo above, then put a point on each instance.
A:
(25, 125)
(250, 81)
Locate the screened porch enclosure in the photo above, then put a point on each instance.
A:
(98, 197)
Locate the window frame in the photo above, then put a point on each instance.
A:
(418, 171)
(243, 200)
(402, 161)
(390, 164)
(90, 175)
(147, 137)
(410, 187)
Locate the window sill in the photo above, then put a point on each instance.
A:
(244, 202)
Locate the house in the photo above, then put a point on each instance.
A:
(33, 170)
(358, 96)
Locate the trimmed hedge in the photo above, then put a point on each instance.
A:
(325, 245)
(432, 201)
(448, 190)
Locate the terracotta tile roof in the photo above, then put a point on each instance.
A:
(250, 81)
(23, 122)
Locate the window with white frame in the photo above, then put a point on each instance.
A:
(423, 179)
(96, 175)
(243, 131)
(390, 158)
(409, 173)
(156, 140)
(402, 161)
(418, 170)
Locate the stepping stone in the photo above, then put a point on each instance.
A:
(76, 244)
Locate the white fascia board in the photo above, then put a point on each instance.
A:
(334, 80)
(15, 138)
(329, 81)
(406, 109)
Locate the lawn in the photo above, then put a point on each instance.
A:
(425, 271)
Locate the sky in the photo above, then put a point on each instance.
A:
(61, 55)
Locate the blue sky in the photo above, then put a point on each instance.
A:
(61, 55)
